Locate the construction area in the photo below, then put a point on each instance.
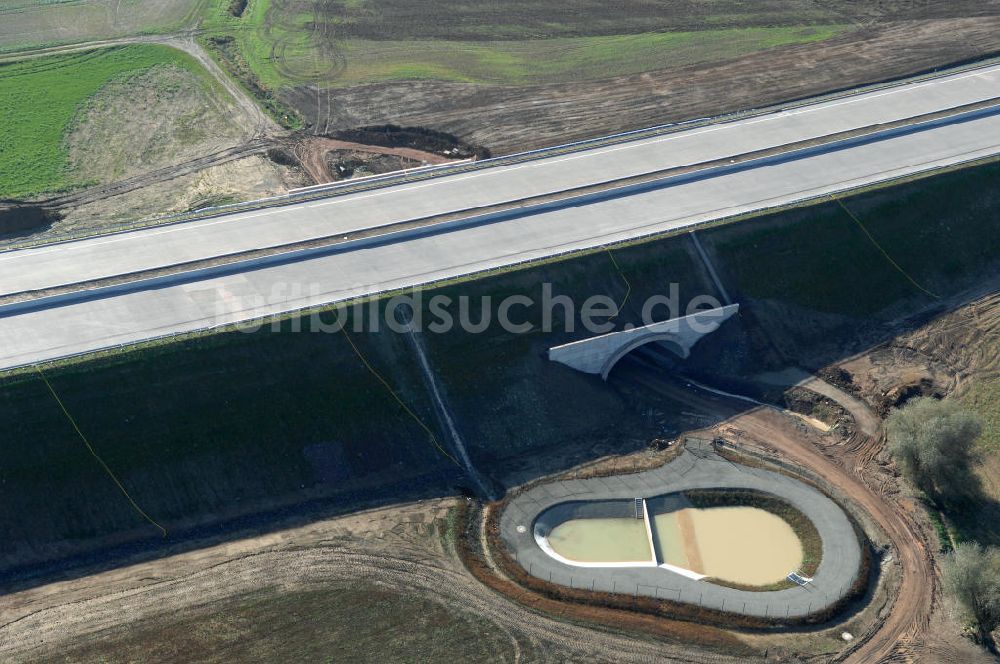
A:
(231, 435)
(814, 371)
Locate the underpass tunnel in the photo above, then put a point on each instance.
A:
(661, 354)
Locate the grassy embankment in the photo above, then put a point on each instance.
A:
(236, 423)
(232, 423)
(981, 394)
(40, 97)
(830, 266)
(827, 291)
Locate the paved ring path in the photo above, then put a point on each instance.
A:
(698, 467)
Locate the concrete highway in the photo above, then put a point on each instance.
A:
(137, 251)
(52, 330)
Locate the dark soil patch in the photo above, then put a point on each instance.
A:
(417, 138)
(807, 402)
(348, 163)
(237, 7)
(898, 396)
(26, 219)
(282, 157)
(839, 377)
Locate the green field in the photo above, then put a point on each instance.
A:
(557, 60)
(40, 97)
(338, 44)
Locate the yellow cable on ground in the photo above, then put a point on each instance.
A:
(624, 278)
(90, 448)
(396, 397)
(884, 252)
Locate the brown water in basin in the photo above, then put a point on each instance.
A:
(738, 544)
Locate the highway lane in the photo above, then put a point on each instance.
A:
(100, 323)
(147, 249)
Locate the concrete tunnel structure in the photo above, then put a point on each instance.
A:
(598, 355)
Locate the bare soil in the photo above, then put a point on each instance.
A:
(156, 119)
(954, 354)
(319, 157)
(520, 19)
(231, 181)
(509, 119)
(398, 550)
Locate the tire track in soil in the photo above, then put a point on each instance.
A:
(37, 633)
(909, 617)
(261, 128)
(847, 469)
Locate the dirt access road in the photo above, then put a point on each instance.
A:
(847, 468)
(312, 155)
(852, 469)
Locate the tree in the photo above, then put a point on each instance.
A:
(972, 576)
(933, 441)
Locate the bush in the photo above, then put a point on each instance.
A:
(972, 576)
(932, 441)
